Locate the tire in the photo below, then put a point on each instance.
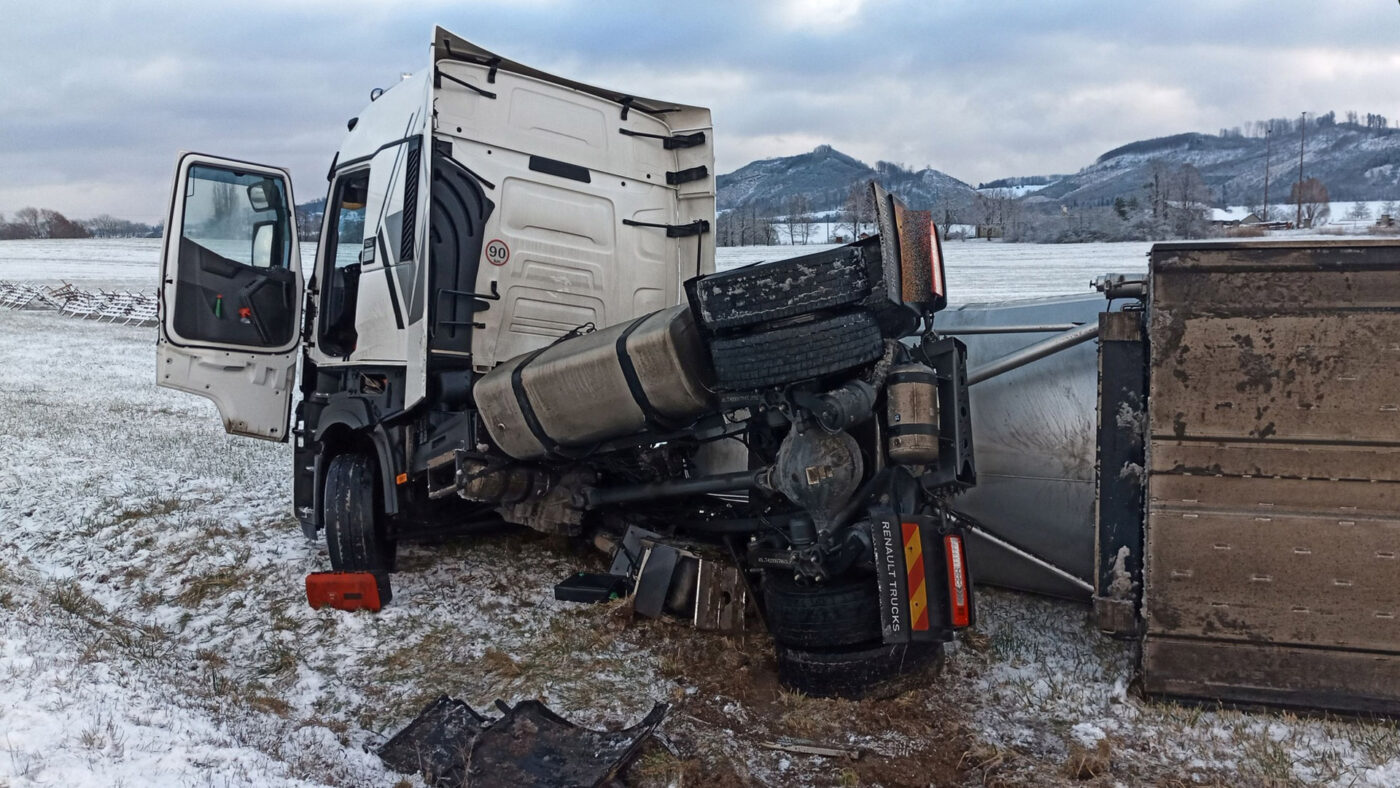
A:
(796, 352)
(785, 288)
(872, 671)
(826, 616)
(355, 528)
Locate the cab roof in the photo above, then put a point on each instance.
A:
(449, 46)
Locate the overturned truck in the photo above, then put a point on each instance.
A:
(513, 315)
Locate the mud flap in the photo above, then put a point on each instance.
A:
(921, 569)
(435, 744)
(451, 745)
(533, 746)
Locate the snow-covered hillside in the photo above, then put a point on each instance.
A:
(1353, 162)
(824, 177)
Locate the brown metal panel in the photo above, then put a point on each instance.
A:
(1284, 460)
(1282, 578)
(1273, 528)
(1271, 291)
(1331, 377)
(1261, 673)
(1215, 256)
(1266, 495)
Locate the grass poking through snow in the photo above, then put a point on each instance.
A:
(153, 628)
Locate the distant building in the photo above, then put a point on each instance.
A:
(1233, 217)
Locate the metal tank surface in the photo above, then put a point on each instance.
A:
(1035, 431)
(599, 385)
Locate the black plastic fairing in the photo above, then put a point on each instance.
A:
(455, 235)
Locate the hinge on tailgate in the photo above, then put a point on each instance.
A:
(686, 176)
(672, 142)
(697, 227)
(438, 77)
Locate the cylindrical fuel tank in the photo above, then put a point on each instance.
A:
(911, 414)
(597, 386)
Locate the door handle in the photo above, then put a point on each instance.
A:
(223, 365)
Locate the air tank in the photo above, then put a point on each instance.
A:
(911, 414)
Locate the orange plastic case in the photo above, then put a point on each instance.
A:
(348, 590)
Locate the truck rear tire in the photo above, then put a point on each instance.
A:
(871, 671)
(829, 615)
(796, 352)
(356, 532)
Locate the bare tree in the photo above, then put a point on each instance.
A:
(1311, 194)
(57, 225)
(946, 213)
(1158, 177)
(859, 208)
(998, 213)
(1190, 211)
(798, 222)
(41, 223)
(727, 228)
(1359, 212)
(31, 222)
(751, 229)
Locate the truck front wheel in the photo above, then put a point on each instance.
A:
(355, 531)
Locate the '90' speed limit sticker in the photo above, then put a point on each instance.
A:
(497, 253)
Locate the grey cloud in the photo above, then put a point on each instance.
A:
(96, 100)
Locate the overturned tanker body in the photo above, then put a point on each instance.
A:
(1218, 472)
(513, 315)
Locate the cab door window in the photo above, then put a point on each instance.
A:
(342, 260)
(233, 284)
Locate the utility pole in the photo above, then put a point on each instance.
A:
(1302, 137)
(1268, 138)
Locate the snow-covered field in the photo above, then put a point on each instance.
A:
(977, 270)
(154, 631)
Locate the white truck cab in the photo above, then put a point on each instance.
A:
(558, 205)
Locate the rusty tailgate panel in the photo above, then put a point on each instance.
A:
(1273, 535)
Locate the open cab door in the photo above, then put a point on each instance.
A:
(231, 292)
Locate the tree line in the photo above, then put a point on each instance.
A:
(1173, 202)
(32, 223)
(1259, 128)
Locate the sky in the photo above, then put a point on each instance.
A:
(97, 98)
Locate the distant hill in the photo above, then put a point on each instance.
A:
(309, 216)
(1355, 162)
(824, 176)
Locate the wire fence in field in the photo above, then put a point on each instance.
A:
(107, 306)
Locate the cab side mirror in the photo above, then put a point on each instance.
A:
(260, 195)
(264, 235)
